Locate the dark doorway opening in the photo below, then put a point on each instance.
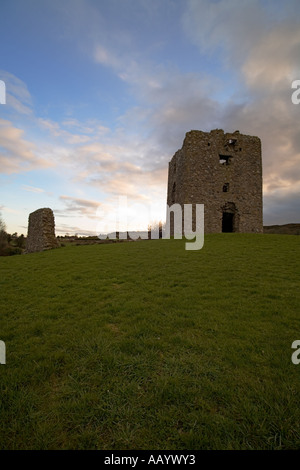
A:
(227, 222)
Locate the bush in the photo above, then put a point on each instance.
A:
(20, 242)
(9, 250)
(3, 242)
(15, 250)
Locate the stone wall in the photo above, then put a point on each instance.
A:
(223, 172)
(41, 232)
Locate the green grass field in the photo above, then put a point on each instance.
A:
(148, 346)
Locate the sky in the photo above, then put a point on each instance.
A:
(100, 95)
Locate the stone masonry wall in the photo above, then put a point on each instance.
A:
(223, 172)
(41, 232)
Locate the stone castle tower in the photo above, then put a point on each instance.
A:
(223, 172)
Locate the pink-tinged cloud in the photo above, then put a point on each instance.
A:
(56, 131)
(16, 153)
(79, 206)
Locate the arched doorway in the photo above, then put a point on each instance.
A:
(227, 222)
(229, 218)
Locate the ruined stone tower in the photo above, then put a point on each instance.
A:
(223, 172)
(41, 233)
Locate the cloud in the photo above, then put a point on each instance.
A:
(56, 131)
(16, 153)
(81, 207)
(273, 62)
(259, 43)
(255, 43)
(282, 206)
(10, 210)
(260, 40)
(115, 169)
(171, 103)
(32, 189)
(64, 229)
(220, 25)
(234, 27)
(17, 95)
(105, 57)
(90, 126)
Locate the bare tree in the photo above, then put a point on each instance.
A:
(2, 224)
(3, 235)
(157, 228)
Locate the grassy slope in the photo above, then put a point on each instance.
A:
(286, 229)
(147, 346)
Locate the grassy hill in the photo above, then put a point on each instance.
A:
(286, 229)
(147, 346)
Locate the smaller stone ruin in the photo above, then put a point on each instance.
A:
(41, 233)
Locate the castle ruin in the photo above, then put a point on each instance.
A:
(41, 233)
(223, 172)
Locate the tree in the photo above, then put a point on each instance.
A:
(2, 224)
(21, 241)
(3, 236)
(157, 227)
